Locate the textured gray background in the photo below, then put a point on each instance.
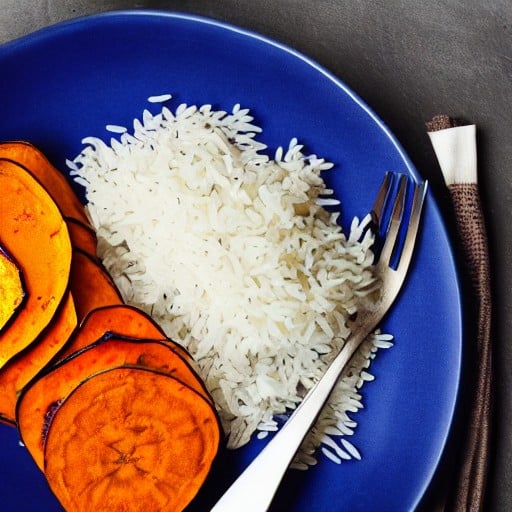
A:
(409, 60)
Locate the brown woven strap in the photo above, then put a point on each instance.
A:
(468, 494)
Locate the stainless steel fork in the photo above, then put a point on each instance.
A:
(255, 488)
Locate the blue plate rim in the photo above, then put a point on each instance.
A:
(62, 26)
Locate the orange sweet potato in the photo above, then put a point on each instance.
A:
(22, 368)
(82, 236)
(90, 285)
(54, 182)
(33, 230)
(120, 319)
(112, 410)
(12, 289)
(130, 437)
(39, 399)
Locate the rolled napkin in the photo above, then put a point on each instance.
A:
(455, 148)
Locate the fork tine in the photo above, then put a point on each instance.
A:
(377, 211)
(394, 223)
(420, 191)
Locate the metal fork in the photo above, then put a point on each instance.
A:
(255, 488)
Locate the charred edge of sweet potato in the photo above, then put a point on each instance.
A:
(54, 406)
(7, 421)
(159, 333)
(79, 282)
(39, 346)
(167, 342)
(113, 307)
(24, 298)
(115, 336)
(25, 352)
(92, 328)
(201, 454)
(54, 300)
(36, 162)
(34, 439)
(83, 236)
(101, 266)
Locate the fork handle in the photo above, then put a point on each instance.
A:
(255, 488)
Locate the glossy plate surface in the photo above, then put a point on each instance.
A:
(70, 80)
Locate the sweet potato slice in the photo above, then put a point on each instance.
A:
(82, 236)
(53, 181)
(91, 285)
(33, 230)
(12, 289)
(22, 369)
(107, 450)
(39, 399)
(120, 319)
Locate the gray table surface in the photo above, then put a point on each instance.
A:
(408, 60)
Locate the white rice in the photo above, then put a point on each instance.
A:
(115, 128)
(162, 98)
(234, 254)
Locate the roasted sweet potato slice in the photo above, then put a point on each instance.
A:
(53, 181)
(12, 289)
(120, 319)
(38, 400)
(21, 369)
(33, 230)
(130, 439)
(91, 285)
(82, 236)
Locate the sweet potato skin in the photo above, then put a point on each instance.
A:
(34, 409)
(106, 448)
(20, 370)
(91, 285)
(32, 159)
(121, 319)
(82, 236)
(34, 231)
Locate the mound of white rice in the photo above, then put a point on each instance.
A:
(234, 254)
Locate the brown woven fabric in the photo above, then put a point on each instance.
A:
(468, 494)
(439, 122)
(442, 122)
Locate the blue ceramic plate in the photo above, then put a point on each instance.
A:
(70, 80)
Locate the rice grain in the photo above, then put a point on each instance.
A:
(234, 254)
